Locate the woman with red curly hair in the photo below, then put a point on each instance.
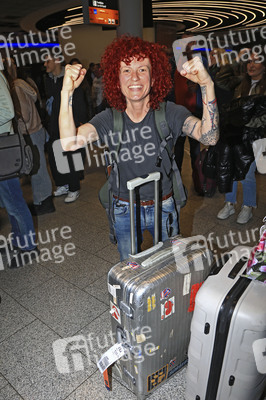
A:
(136, 80)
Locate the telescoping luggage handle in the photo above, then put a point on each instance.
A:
(131, 185)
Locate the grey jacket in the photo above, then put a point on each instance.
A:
(6, 106)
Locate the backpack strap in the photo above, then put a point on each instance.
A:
(117, 125)
(167, 147)
(105, 193)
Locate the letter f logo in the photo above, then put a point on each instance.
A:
(186, 48)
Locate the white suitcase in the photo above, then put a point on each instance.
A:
(229, 316)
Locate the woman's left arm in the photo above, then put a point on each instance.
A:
(205, 130)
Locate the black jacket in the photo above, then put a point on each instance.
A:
(53, 88)
(242, 121)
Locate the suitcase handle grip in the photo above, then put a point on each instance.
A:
(238, 253)
(133, 183)
(147, 252)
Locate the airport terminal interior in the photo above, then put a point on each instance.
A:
(65, 294)
(55, 320)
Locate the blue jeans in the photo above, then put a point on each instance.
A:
(22, 228)
(41, 183)
(249, 188)
(168, 224)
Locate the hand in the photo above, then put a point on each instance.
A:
(74, 75)
(195, 71)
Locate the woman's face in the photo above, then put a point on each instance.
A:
(135, 79)
(255, 69)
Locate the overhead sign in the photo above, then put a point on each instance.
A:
(103, 12)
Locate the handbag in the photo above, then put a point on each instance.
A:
(259, 149)
(28, 141)
(35, 154)
(16, 156)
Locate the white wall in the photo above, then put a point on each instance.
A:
(90, 42)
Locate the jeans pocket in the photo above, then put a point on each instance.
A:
(169, 218)
(121, 210)
(168, 206)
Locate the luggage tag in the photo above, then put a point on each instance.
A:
(106, 379)
(113, 354)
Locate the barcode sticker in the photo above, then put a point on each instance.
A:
(186, 287)
(113, 288)
(110, 356)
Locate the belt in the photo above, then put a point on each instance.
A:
(146, 202)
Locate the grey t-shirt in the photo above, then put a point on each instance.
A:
(139, 147)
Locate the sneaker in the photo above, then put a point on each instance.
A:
(72, 196)
(23, 257)
(61, 190)
(245, 215)
(46, 207)
(226, 211)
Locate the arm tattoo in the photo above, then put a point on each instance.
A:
(209, 125)
(70, 101)
(205, 130)
(203, 94)
(190, 125)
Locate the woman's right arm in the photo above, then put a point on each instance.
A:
(72, 138)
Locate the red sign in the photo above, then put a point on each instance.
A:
(115, 312)
(103, 16)
(168, 308)
(194, 291)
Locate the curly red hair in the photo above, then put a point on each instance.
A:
(125, 49)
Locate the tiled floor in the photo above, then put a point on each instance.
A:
(65, 294)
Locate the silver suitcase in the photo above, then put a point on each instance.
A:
(229, 317)
(152, 297)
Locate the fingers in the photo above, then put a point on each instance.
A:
(192, 66)
(75, 71)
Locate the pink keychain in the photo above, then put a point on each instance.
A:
(256, 268)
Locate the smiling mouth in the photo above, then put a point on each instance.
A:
(135, 87)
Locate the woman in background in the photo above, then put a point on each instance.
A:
(29, 123)
(254, 82)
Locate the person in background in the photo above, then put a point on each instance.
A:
(90, 74)
(29, 123)
(137, 79)
(254, 82)
(67, 181)
(223, 75)
(188, 94)
(22, 248)
(97, 90)
(87, 91)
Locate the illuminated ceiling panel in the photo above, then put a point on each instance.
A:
(209, 15)
(195, 15)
